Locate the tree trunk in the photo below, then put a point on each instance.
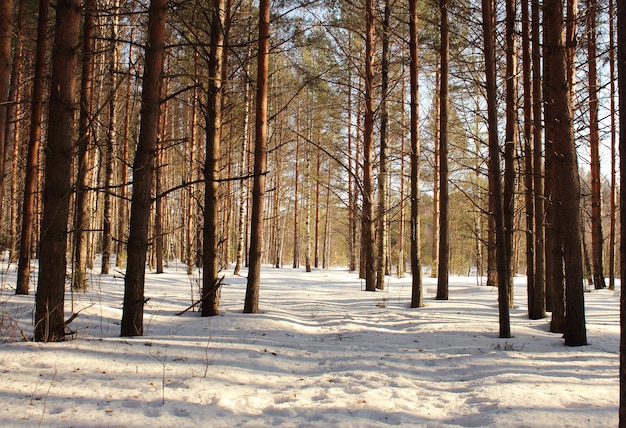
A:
(12, 133)
(382, 234)
(621, 75)
(597, 240)
(539, 307)
(416, 267)
(434, 269)
(6, 27)
(34, 142)
(49, 301)
(494, 169)
(367, 235)
(296, 196)
(251, 304)
(143, 169)
(444, 217)
(81, 216)
(511, 138)
(210, 263)
(613, 207)
(111, 141)
(566, 187)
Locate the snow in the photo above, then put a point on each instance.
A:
(320, 352)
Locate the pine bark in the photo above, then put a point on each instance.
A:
(49, 301)
(143, 170)
(251, 304)
(6, 28)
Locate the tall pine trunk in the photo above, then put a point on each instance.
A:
(416, 267)
(6, 27)
(49, 301)
(251, 304)
(565, 179)
(81, 215)
(143, 170)
(494, 169)
(444, 213)
(210, 263)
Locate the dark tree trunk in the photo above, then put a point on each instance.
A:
(566, 187)
(383, 173)
(49, 319)
(143, 170)
(510, 142)
(494, 169)
(34, 142)
(613, 206)
(621, 75)
(367, 234)
(210, 263)
(597, 265)
(251, 304)
(539, 305)
(416, 266)
(444, 216)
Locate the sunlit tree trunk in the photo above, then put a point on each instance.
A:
(416, 265)
(143, 170)
(34, 142)
(251, 304)
(434, 271)
(49, 301)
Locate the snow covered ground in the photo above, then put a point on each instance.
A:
(321, 352)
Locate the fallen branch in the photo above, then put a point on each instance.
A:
(74, 315)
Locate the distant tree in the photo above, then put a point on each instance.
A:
(49, 301)
(143, 170)
(251, 304)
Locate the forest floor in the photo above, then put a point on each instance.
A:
(321, 352)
